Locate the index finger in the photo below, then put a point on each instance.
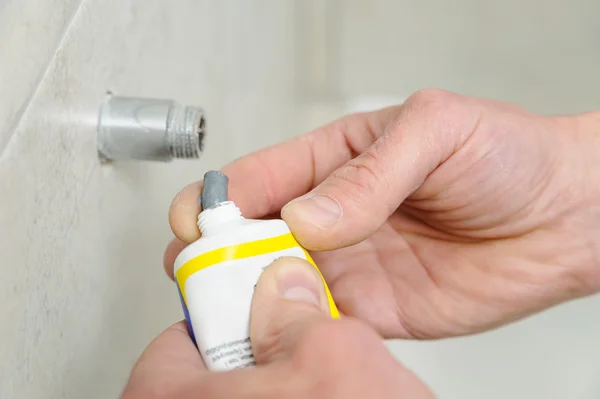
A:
(261, 183)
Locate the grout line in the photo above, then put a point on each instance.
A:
(40, 80)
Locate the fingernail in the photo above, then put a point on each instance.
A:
(319, 209)
(296, 282)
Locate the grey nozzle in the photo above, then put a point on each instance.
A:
(214, 190)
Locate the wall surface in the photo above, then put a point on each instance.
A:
(82, 289)
(31, 31)
(541, 54)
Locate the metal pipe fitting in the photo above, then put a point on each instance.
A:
(148, 129)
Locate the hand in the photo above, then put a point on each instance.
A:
(446, 215)
(300, 352)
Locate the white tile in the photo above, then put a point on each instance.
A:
(85, 291)
(30, 32)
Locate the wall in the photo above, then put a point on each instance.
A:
(541, 54)
(83, 291)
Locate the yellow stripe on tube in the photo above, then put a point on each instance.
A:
(332, 308)
(246, 250)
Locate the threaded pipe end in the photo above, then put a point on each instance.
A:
(185, 132)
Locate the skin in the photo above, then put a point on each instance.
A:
(443, 216)
(300, 352)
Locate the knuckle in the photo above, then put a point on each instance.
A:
(444, 119)
(430, 99)
(361, 174)
(431, 107)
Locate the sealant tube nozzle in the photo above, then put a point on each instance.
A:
(214, 190)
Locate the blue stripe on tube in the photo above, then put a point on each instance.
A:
(187, 316)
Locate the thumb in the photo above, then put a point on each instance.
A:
(290, 298)
(356, 199)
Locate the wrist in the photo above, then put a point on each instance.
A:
(582, 169)
(586, 134)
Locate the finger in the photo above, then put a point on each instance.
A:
(292, 332)
(170, 367)
(290, 297)
(356, 199)
(262, 182)
(176, 246)
(173, 249)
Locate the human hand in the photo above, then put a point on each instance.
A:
(444, 216)
(300, 352)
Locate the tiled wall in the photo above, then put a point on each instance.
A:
(30, 33)
(82, 288)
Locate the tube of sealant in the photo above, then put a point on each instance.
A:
(217, 274)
